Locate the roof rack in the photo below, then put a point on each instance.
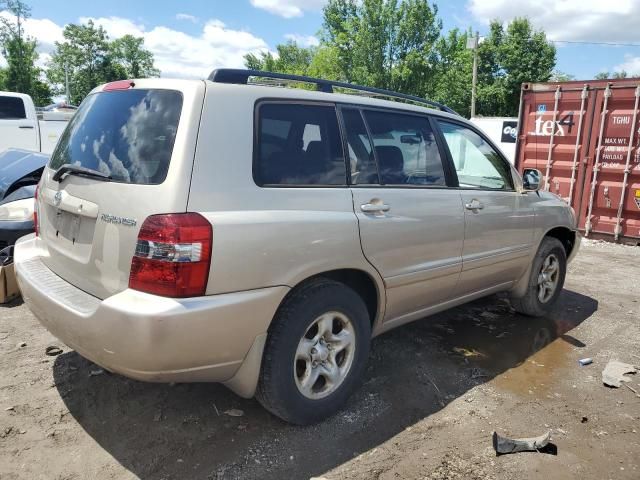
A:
(241, 76)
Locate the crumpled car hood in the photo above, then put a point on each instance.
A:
(19, 168)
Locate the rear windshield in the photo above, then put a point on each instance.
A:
(126, 134)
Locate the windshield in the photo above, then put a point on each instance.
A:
(128, 135)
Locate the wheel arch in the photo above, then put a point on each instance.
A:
(365, 284)
(566, 236)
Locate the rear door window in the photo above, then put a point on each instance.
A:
(298, 144)
(12, 108)
(405, 149)
(128, 135)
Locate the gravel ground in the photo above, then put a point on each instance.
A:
(434, 393)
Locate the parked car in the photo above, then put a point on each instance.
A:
(22, 127)
(222, 231)
(20, 172)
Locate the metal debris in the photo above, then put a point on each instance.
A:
(614, 373)
(53, 350)
(503, 445)
(585, 361)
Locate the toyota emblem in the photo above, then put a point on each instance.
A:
(57, 198)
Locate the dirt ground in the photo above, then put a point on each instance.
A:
(434, 393)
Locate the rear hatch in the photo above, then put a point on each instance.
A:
(142, 135)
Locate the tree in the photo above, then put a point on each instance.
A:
(129, 52)
(451, 80)
(507, 60)
(85, 57)
(19, 50)
(558, 76)
(607, 75)
(290, 59)
(382, 43)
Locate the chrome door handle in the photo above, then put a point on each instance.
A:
(474, 205)
(374, 207)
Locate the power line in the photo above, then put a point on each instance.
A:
(609, 44)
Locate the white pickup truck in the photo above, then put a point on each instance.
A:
(22, 127)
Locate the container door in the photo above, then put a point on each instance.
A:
(556, 126)
(611, 200)
(411, 224)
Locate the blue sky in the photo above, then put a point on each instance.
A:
(190, 37)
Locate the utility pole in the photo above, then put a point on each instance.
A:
(66, 83)
(472, 43)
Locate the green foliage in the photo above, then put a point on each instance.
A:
(290, 59)
(382, 43)
(523, 55)
(558, 76)
(90, 59)
(615, 75)
(129, 52)
(21, 74)
(452, 74)
(398, 45)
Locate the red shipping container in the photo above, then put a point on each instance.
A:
(584, 138)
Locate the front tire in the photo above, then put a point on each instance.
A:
(316, 352)
(545, 281)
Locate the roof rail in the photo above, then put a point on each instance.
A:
(241, 76)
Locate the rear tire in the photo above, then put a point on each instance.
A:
(545, 281)
(316, 352)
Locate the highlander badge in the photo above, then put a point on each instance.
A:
(127, 222)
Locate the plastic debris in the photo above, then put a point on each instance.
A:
(614, 373)
(585, 361)
(52, 350)
(504, 445)
(234, 412)
(97, 372)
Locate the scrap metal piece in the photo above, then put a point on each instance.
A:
(504, 445)
(614, 373)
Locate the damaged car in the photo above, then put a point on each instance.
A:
(20, 171)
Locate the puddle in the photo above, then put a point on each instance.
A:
(537, 374)
(526, 355)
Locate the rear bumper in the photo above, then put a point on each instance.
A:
(12, 231)
(143, 336)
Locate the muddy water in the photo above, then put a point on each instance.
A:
(526, 355)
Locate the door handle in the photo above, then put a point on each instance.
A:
(474, 205)
(374, 207)
(26, 126)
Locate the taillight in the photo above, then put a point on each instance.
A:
(172, 256)
(35, 212)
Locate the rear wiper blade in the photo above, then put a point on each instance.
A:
(68, 169)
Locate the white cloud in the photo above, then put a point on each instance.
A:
(573, 20)
(187, 17)
(116, 27)
(631, 65)
(288, 8)
(43, 30)
(177, 54)
(303, 40)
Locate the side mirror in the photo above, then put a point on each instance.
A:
(531, 179)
